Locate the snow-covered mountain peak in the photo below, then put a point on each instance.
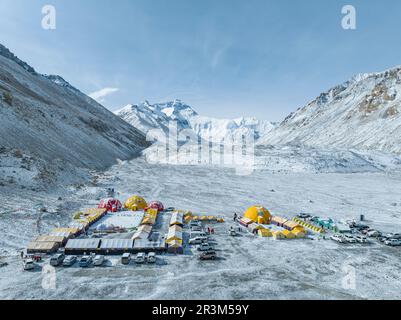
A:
(146, 117)
(362, 113)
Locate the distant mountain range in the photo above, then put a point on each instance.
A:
(363, 113)
(149, 117)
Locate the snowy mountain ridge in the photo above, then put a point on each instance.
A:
(147, 117)
(363, 113)
(46, 119)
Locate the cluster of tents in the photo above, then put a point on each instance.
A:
(257, 220)
(59, 236)
(174, 238)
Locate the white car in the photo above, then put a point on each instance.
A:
(98, 260)
(197, 240)
(204, 247)
(151, 257)
(337, 238)
(361, 239)
(350, 239)
(69, 261)
(393, 242)
(57, 259)
(29, 264)
(140, 258)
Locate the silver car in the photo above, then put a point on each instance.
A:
(69, 261)
(98, 260)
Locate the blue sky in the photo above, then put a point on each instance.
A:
(226, 58)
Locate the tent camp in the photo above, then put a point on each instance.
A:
(82, 246)
(258, 214)
(141, 235)
(176, 228)
(42, 247)
(65, 232)
(145, 228)
(110, 204)
(299, 233)
(177, 218)
(279, 221)
(288, 234)
(173, 235)
(290, 225)
(265, 233)
(175, 247)
(148, 221)
(254, 228)
(135, 203)
(59, 240)
(245, 222)
(278, 235)
(155, 205)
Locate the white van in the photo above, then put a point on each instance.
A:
(57, 259)
(196, 234)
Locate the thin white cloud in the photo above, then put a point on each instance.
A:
(103, 93)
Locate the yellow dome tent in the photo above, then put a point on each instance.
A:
(135, 203)
(258, 214)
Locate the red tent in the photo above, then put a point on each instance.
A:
(155, 205)
(112, 205)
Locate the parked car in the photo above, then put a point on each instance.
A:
(85, 261)
(197, 240)
(140, 258)
(349, 238)
(126, 258)
(383, 239)
(69, 261)
(151, 257)
(57, 259)
(361, 239)
(208, 255)
(304, 215)
(195, 224)
(29, 264)
(194, 234)
(393, 242)
(98, 260)
(373, 233)
(204, 247)
(337, 238)
(232, 232)
(397, 236)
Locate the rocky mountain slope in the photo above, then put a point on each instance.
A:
(46, 118)
(148, 117)
(363, 113)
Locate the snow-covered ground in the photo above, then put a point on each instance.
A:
(248, 267)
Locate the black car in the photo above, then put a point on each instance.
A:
(304, 215)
